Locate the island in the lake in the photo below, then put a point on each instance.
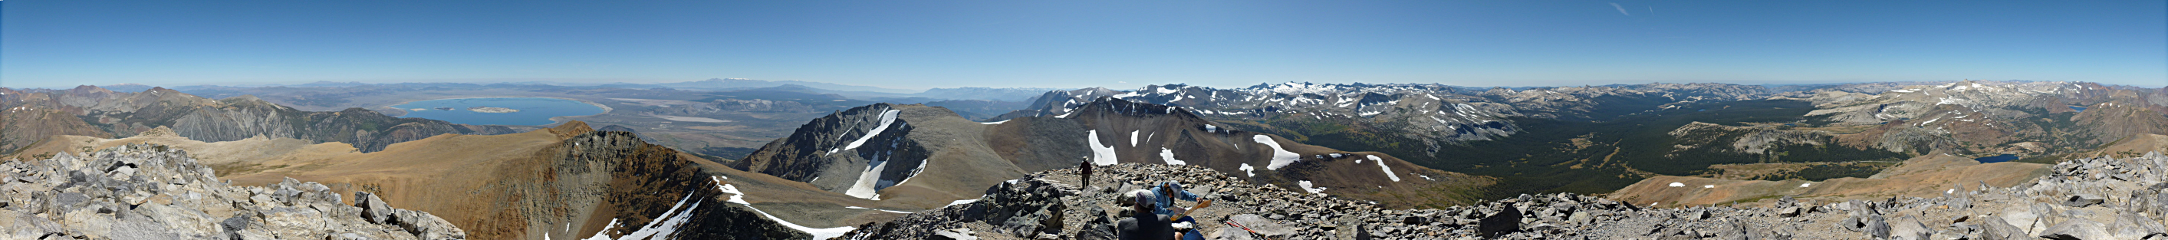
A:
(492, 110)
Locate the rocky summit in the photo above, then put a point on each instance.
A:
(2091, 198)
(145, 191)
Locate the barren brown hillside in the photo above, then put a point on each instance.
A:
(1925, 176)
(567, 182)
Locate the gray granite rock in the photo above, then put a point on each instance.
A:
(156, 192)
(2040, 208)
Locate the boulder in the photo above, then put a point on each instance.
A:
(1876, 226)
(2083, 200)
(954, 234)
(1907, 228)
(426, 226)
(1507, 220)
(1580, 218)
(2077, 228)
(2001, 230)
(2130, 225)
(373, 208)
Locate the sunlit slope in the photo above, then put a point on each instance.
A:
(567, 182)
(926, 156)
(1924, 176)
(34, 115)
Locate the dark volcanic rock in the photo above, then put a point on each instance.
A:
(1507, 220)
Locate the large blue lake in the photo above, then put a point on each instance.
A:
(532, 111)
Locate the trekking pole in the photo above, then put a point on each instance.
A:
(1201, 204)
(1245, 228)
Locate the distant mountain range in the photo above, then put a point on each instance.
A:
(915, 153)
(1596, 139)
(853, 91)
(851, 161)
(34, 115)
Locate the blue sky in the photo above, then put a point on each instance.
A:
(1120, 44)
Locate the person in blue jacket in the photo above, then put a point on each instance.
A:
(1163, 204)
(1168, 191)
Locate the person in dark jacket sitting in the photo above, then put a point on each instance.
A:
(1142, 224)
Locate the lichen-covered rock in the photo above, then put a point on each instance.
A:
(155, 192)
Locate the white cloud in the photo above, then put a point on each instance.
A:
(1621, 9)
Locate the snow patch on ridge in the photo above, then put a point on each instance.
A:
(1280, 156)
(887, 118)
(667, 223)
(1101, 153)
(1381, 165)
(876, 209)
(738, 197)
(1306, 186)
(914, 172)
(962, 202)
(1133, 137)
(1168, 154)
(600, 235)
(1247, 169)
(864, 187)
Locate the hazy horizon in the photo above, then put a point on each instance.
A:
(1119, 45)
(924, 89)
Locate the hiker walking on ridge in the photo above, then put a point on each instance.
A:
(1085, 170)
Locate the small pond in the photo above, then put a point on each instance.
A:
(1997, 158)
(498, 111)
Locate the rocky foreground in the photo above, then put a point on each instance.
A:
(155, 192)
(2093, 198)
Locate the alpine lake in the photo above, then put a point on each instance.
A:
(498, 111)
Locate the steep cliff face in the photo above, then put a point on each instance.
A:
(863, 140)
(119, 114)
(647, 190)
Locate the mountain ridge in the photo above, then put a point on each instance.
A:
(104, 113)
(1108, 131)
